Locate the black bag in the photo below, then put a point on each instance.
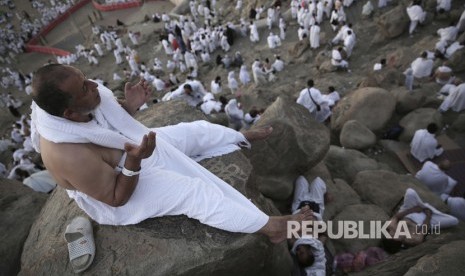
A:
(334, 22)
(318, 107)
(393, 133)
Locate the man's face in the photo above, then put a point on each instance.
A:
(304, 255)
(84, 92)
(188, 91)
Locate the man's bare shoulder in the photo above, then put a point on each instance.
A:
(70, 162)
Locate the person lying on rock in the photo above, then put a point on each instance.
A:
(419, 218)
(309, 250)
(121, 172)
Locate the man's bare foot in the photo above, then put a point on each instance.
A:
(276, 227)
(258, 134)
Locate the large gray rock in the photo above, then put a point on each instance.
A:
(354, 135)
(342, 196)
(19, 207)
(346, 163)
(169, 113)
(297, 144)
(418, 119)
(174, 245)
(393, 23)
(459, 124)
(386, 78)
(377, 102)
(386, 189)
(449, 260)
(407, 101)
(455, 62)
(400, 263)
(362, 214)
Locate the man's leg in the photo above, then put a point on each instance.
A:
(317, 193)
(201, 139)
(300, 192)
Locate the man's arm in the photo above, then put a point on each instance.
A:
(88, 172)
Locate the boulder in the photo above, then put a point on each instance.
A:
(386, 78)
(377, 102)
(327, 67)
(342, 196)
(19, 207)
(299, 48)
(449, 260)
(407, 101)
(169, 113)
(418, 119)
(346, 163)
(354, 135)
(401, 58)
(455, 62)
(297, 143)
(393, 23)
(459, 124)
(362, 214)
(386, 189)
(450, 240)
(174, 245)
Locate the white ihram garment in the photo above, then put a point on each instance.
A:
(170, 182)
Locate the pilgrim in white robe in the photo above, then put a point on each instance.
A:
(315, 36)
(209, 104)
(416, 15)
(170, 183)
(424, 146)
(422, 67)
(455, 100)
(438, 219)
(336, 59)
(435, 179)
(244, 75)
(235, 114)
(254, 33)
(318, 268)
(232, 82)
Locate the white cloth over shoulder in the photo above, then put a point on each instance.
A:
(170, 183)
(424, 145)
(435, 179)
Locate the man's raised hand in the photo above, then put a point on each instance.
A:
(136, 95)
(145, 149)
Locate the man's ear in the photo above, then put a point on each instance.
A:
(69, 114)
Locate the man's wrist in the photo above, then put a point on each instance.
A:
(130, 173)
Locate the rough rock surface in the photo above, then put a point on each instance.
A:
(377, 102)
(449, 260)
(19, 207)
(418, 119)
(358, 213)
(297, 144)
(393, 23)
(346, 163)
(407, 101)
(354, 135)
